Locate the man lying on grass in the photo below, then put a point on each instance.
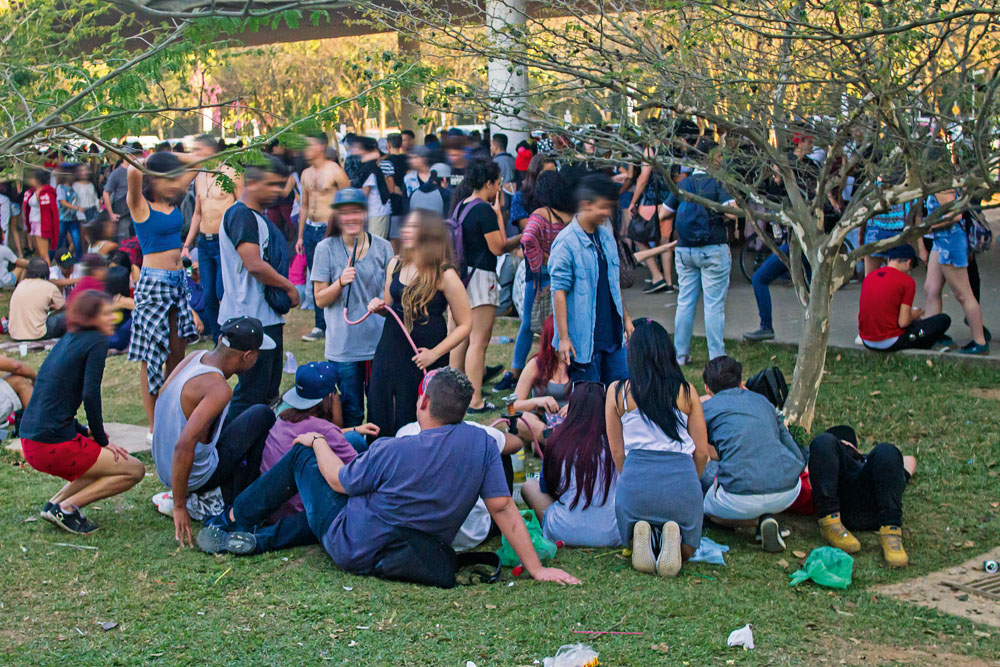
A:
(427, 482)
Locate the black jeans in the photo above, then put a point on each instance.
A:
(296, 472)
(922, 334)
(240, 447)
(866, 490)
(260, 384)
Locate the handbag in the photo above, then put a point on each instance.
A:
(979, 233)
(626, 265)
(541, 309)
(644, 230)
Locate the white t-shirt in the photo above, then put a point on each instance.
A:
(476, 526)
(375, 206)
(7, 260)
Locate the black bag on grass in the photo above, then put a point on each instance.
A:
(770, 383)
(414, 556)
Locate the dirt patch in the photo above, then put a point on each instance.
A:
(988, 394)
(857, 652)
(931, 591)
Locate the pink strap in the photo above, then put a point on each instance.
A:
(395, 317)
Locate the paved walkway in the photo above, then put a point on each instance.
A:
(741, 307)
(129, 436)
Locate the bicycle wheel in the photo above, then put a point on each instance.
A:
(751, 259)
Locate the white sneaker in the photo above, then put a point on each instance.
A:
(164, 503)
(642, 548)
(315, 334)
(668, 561)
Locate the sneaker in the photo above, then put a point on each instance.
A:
(487, 407)
(506, 383)
(658, 286)
(164, 503)
(642, 548)
(944, 343)
(759, 334)
(770, 534)
(891, 538)
(491, 372)
(669, 289)
(214, 540)
(683, 359)
(71, 522)
(315, 334)
(668, 561)
(783, 532)
(220, 520)
(836, 535)
(972, 347)
(46, 509)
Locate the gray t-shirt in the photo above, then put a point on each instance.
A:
(243, 294)
(345, 342)
(117, 184)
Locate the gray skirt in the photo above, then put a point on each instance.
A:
(658, 487)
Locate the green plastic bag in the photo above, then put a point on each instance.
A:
(545, 549)
(827, 566)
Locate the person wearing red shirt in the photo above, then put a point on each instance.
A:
(887, 320)
(41, 212)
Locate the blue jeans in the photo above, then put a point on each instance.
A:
(349, 377)
(357, 441)
(119, 340)
(296, 472)
(703, 270)
(71, 230)
(311, 237)
(604, 367)
(210, 271)
(772, 269)
(522, 344)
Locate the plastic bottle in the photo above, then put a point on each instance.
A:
(517, 464)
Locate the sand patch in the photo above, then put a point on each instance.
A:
(988, 394)
(857, 652)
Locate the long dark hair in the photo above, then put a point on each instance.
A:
(579, 446)
(655, 378)
(535, 168)
(552, 192)
(547, 359)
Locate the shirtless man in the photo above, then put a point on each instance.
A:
(210, 203)
(192, 451)
(320, 182)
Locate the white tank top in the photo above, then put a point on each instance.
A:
(35, 212)
(639, 432)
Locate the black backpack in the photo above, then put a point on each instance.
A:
(770, 383)
(414, 556)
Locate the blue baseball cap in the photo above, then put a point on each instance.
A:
(313, 382)
(350, 197)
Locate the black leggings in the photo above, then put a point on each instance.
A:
(866, 490)
(240, 447)
(922, 334)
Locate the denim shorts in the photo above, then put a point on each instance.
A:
(952, 246)
(873, 234)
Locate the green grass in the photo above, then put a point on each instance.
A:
(181, 607)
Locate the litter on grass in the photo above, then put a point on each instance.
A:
(741, 637)
(827, 566)
(709, 551)
(573, 655)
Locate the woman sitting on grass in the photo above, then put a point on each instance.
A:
(54, 442)
(575, 496)
(659, 441)
(312, 406)
(542, 390)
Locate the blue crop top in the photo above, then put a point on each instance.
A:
(160, 231)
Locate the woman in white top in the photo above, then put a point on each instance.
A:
(659, 442)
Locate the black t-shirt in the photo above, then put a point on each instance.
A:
(241, 225)
(479, 222)
(607, 322)
(400, 165)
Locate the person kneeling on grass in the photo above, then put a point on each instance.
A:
(192, 450)
(759, 460)
(54, 442)
(575, 496)
(887, 320)
(427, 482)
(855, 491)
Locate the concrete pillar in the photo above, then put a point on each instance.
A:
(508, 84)
(410, 98)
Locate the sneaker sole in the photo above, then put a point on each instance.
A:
(642, 552)
(51, 518)
(757, 339)
(770, 536)
(668, 563)
(214, 540)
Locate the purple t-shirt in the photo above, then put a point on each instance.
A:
(429, 481)
(279, 442)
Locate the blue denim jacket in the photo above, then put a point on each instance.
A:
(573, 269)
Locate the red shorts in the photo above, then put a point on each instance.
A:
(69, 460)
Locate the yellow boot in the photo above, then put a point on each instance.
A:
(891, 538)
(836, 535)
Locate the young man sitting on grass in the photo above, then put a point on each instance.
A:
(887, 320)
(759, 460)
(427, 482)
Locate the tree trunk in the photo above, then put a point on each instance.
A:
(800, 407)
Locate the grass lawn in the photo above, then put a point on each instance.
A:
(183, 607)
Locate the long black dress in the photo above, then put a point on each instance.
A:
(395, 379)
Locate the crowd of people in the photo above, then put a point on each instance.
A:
(398, 249)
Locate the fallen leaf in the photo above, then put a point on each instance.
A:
(30, 519)
(491, 606)
(782, 563)
(660, 648)
(799, 554)
(968, 544)
(838, 358)
(930, 364)
(108, 625)
(875, 393)
(980, 633)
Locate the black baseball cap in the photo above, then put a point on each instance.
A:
(163, 162)
(904, 251)
(245, 334)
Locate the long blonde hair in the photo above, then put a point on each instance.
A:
(431, 255)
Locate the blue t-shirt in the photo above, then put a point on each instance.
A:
(429, 481)
(607, 323)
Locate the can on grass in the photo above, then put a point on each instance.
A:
(991, 566)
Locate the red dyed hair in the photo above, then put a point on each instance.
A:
(85, 309)
(547, 359)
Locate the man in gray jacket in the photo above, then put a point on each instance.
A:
(759, 460)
